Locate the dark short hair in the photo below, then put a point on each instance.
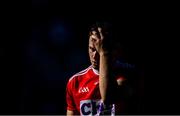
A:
(105, 25)
(112, 30)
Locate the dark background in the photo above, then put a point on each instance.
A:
(47, 44)
(43, 43)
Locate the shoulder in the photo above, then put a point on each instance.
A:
(79, 74)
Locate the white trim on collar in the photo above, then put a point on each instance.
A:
(95, 71)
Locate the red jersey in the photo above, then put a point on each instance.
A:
(83, 94)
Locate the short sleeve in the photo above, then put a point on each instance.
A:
(69, 97)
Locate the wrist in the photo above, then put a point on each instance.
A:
(104, 53)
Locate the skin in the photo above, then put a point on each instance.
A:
(106, 82)
(93, 54)
(69, 113)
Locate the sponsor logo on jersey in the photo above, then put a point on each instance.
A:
(89, 107)
(95, 108)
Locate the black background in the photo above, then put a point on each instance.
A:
(35, 65)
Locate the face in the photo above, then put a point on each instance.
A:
(93, 55)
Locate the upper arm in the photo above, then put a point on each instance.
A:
(71, 107)
(69, 100)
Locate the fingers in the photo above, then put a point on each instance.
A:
(100, 33)
(94, 33)
(97, 35)
(94, 39)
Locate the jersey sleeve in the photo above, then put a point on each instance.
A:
(69, 97)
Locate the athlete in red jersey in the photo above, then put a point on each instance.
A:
(93, 91)
(83, 95)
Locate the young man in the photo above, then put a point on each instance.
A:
(100, 88)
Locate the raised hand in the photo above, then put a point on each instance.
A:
(101, 41)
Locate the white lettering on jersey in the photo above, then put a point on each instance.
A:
(83, 89)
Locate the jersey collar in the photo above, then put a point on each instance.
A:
(95, 71)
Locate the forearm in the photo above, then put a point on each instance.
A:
(69, 113)
(106, 82)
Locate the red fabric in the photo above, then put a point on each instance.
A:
(83, 90)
